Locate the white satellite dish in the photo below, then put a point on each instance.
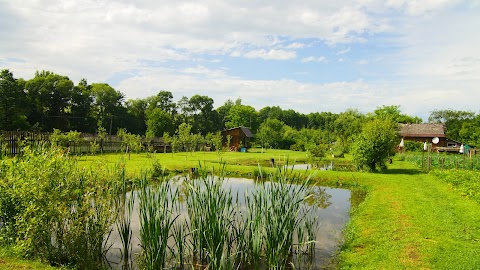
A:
(435, 140)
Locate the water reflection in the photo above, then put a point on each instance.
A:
(330, 205)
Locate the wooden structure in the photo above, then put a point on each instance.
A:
(424, 133)
(240, 138)
(11, 142)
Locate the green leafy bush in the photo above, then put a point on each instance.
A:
(375, 144)
(412, 146)
(53, 210)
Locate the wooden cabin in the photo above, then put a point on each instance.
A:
(240, 138)
(427, 133)
(424, 133)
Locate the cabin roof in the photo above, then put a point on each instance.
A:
(245, 131)
(422, 130)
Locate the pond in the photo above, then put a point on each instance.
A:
(327, 207)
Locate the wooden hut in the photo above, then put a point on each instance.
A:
(240, 138)
(428, 133)
(424, 133)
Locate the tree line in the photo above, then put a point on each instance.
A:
(51, 101)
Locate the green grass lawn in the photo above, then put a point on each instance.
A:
(408, 220)
(412, 220)
(241, 163)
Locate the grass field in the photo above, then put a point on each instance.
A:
(238, 163)
(408, 220)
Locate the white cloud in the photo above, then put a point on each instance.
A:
(428, 46)
(203, 71)
(313, 59)
(419, 7)
(272, 54)
(295, 45)
(343, 51)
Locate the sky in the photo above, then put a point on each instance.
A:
(309, 56)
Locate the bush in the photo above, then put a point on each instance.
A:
(412, 146)
(53, 210)
(375, 144)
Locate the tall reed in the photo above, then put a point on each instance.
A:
(125, 202)
(217, 232)
(211, 211)
(156, 221)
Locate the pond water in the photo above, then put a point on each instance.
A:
(331, 205)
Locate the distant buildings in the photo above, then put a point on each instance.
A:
(433, 134)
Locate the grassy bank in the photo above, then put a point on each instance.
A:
(9, 261)
(408, 220)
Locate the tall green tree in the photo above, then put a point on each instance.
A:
(242, 115)
(12, 103)
(294, 119)
(184, 111)
(307, 138)
(161, 114)
(80, 110)
(183, 136)
(159, 122)
(49, 96)
(108, 107)
(224, 111)
(347, 126)
(274, 112)
(270, 133)
(164, 101)
(470, 131)
(205, 118)
(452, 119)
(375, 144)
(393, 112)
(323, 121)
(136, 121)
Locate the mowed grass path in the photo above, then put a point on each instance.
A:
(411, 220)
(408, 220)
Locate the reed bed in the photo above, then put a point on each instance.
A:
(211, 229)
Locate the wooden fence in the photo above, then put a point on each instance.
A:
(11, 142)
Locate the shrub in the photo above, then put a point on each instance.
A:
(53, 210)
(412, 146)
(375, 144)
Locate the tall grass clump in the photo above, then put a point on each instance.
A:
(280, 204)
(200, 224)
(156, 222)
(211, 211)
(124, 203)
(53, 210)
